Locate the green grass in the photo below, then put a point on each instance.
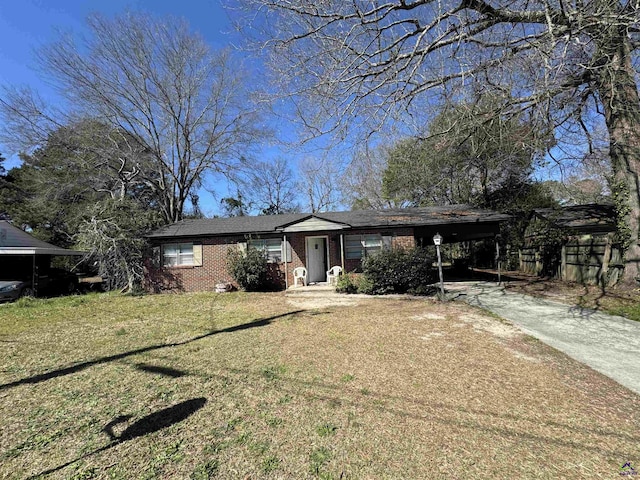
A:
(270, 464)
(247, 386)
(630, 311)
(326, 430)
(318, 458)
(347, 377)
(205, 471)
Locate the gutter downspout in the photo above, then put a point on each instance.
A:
(286, 268)
(342, 252)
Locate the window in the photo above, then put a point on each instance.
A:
(359, 246)
(271, 246)
(176, 254)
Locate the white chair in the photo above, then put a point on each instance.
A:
(333, 274)
(299, 273)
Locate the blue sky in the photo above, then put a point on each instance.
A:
(25, 25)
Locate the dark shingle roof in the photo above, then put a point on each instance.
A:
(355, 219)
(14, 241)
(581, 217)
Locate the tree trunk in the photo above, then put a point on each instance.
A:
(619, 95)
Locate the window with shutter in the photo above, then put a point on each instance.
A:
(156, 257)
(197, 254)
(177, 254)
(286, 249)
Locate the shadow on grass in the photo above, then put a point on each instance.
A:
(166, 371)
(98, 361)
(151, 423)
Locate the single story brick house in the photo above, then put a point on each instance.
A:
(191, 255)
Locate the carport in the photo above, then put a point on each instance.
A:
(460, 226)
(464, 225)
(24, 257)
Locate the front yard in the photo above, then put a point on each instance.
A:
(252, 386)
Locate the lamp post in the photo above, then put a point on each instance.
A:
(437, 241)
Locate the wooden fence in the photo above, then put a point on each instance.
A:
(588, 259)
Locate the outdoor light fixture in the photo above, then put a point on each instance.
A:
(437, 241)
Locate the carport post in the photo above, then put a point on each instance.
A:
(437, 240)
(34, 285)
(498, 256)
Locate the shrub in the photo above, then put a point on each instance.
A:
(364, 284)
(249, 269)
(347, 283)
(398, 271)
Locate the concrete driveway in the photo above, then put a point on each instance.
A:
(607, 343)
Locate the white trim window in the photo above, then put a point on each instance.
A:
(177, 254)
(271, 246)
(361, 246)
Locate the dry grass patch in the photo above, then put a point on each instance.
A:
(247, 386)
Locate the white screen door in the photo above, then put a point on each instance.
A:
(317, 259)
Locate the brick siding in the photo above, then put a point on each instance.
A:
(194, 278)
(214, 260)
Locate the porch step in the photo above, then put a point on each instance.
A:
(312, 291)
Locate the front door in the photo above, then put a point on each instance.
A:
(317, 259)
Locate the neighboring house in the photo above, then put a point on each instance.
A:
(191, 255)
(23, 257)
(577, 243)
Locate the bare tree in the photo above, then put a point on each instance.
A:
(27, 121)
(362, 182)
(111, 232)
(272, 188)
(361, 62)
(589, 180)
(186, 105)
(319, 183)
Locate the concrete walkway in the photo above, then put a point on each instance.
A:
(607, 343)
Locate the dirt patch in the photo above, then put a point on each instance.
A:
(524, 356)
(315, 302)
(428, 316)
(430, 336)
(491, 325)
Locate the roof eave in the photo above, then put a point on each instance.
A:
(40, 251)
(170, 236)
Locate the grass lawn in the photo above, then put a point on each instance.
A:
(252, 386)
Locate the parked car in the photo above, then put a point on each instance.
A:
(53, 282)
(14, 289)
